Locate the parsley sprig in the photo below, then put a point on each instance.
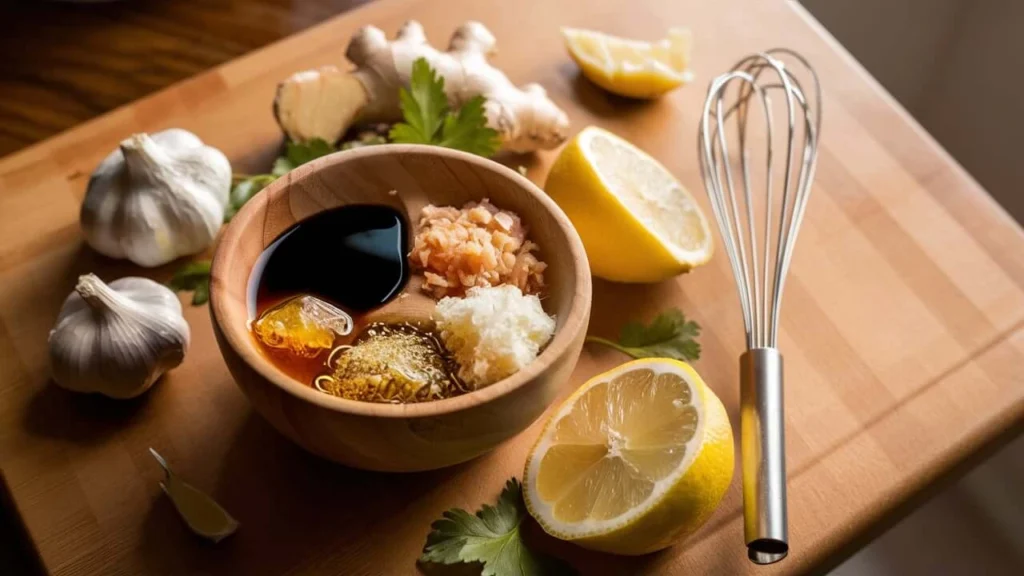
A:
(296, 154)
(193, 277)
(428, 120)
(669, 335)
(491, 537)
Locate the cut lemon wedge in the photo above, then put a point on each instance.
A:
(631, 68)
(636, 459)
(637, 222)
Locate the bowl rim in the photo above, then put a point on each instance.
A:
(240, 341)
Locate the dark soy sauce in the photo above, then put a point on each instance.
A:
(352, 256)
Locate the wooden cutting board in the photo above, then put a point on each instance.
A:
(902, 325)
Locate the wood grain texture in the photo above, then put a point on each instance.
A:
(903, 323)
(392, 437)
(66, 63)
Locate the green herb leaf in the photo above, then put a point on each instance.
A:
(298, 153)
(193, 277)
(281, 166)
(491, 537)
(189, 275)
(243, 191)
(201, 295)
(424, 106)
(670, 335)
(468, 130)
(429, 121)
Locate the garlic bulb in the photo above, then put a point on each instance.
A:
(118, 339)
(156, 198)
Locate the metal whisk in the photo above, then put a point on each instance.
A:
(761, 101)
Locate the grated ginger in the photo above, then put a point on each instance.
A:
(476, 245)
(493, 332)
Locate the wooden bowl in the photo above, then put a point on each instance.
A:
(411, 436)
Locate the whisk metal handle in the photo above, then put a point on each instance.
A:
(763, 449)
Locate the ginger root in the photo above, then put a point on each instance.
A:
(324, 103)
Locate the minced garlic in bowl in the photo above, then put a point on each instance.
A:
(493, 332)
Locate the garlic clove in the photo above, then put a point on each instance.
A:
(201, 513)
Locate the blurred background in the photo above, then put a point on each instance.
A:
(953, 64)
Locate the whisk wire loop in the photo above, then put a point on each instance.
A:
(760, 254)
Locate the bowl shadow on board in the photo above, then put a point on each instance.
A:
(296, 511)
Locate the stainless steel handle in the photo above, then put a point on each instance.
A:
(763, 448)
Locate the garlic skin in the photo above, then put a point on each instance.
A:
(117, 340)
(156, 198)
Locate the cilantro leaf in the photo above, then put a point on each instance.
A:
(429, 121)
(243, 191)
(405, 134)
(424, 106)
(468, 130)
(193, 277)
(298, 153)
(669, 335)
(491, 537)
(201, 295)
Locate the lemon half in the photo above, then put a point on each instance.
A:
(635, 460)
(631, 68)
(637, 222)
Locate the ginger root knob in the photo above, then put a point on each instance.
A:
(324, 103)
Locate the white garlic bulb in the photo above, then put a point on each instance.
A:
(156, 198)
(118, 339)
